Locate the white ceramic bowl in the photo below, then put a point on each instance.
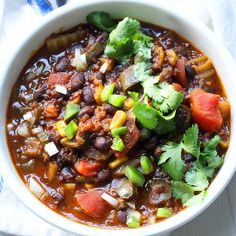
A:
(153, 12)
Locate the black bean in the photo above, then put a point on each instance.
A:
(57, 197)
(103, 176)
(102, 143)
(62, 64)
(152, 142)
(38, 94)
(109, 109)
(87, 110)
(77, 81)
(122, 216)
(159, 174)
(189, 72)
(67, 174)
(189, 158)
(183, 118)
(145, 134)
(88, 95)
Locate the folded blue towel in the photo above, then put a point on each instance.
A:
(43, 7)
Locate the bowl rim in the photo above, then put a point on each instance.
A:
(64, 223)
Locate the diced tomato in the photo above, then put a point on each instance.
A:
(206, 110)
(92, 204)
(130, 137)
(58, 78)
(177, 87)
(181, 75)
(88, 168)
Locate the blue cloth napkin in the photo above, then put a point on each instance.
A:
(43, 7)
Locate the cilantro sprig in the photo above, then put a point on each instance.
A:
(151, 118)
(186, 185)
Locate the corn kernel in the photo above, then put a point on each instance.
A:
(97, 93)
(118, 119)
(60, 126)
(69, 186)
(117, 162)
(52, 170)
(129, 103)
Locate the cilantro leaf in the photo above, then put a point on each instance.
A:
(197, 178)
(196, 199)
(146, 115)
(182, 191)
(173, 163)
(190, 141)
(127, 40)
(120, 45)
(209, 159)
(163, 94)
(164, 125)
(101, 20)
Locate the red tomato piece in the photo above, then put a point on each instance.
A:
(88, 168)
(58, 78)
(92, 204)
(177, 87)
(206, 110)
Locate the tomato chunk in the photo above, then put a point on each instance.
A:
(88, 168)
(206, 110)
(181, 75)
(177, 87)
(92, 204)
(58, 78)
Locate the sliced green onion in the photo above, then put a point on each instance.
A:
(133, 219)
(71, 130)
(118, 144)
(146, 165)
(107, 91)
(119, 131)
(134, 176)
(71, 110)
(164, 213)
(116, 100)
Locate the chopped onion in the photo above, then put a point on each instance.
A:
(103, 68)
(51, 149)
(23, 130)
(131, 204)
(28, 116)
(125, 188)
(37, 130)
(35, 187)
(80, 61)
(109, 199)
(61, 89)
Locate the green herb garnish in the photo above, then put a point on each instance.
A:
(101, 20)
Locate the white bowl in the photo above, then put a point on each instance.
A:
(156, 13)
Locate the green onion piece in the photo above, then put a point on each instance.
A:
(107, 91)
(119, 131)
(134, 176)
(164, 213)
(71, 110)
(133, 219)
(118, 144)
(116, 100)
(145, 134)
(146, 165)
(71, 130)
(101, 20)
